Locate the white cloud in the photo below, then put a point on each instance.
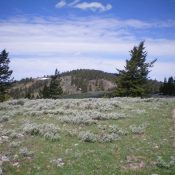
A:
(35, 67)
(73, 3)
(93, 6)
(99, 43)
(61, 4)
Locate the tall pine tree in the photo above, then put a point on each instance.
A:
(55, 89)
(132, 81)
(5, 74)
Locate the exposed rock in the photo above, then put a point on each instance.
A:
(58, 162)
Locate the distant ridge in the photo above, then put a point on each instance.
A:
(73, 82)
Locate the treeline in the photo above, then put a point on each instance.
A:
(90, 74)
(81, 77)
(168, 87)
(27, 88)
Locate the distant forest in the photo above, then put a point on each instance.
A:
(168, 87)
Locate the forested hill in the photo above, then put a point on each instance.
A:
(72, 82)
(90, 74)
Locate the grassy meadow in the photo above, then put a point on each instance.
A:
(99, 136)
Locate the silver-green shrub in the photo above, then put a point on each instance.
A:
(140, 129)
(4, 118)
(48, 131)
(15, 144)
(103, 138)
(77, 120)
(25, 152)
(117, 130)
(87, 136)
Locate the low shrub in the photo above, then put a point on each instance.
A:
(138, 129)
(20, 102)
(52, 136)
(48, 131)
(103, 138)
(115, 129)
(87, 136)
(15, 144)
(77, 120)
(162, 164)
(25, 152)
(4, 118)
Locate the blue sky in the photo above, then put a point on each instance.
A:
(41, 35)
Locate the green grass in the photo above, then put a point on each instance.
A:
(84, 158)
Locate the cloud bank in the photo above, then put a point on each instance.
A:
(37, 46)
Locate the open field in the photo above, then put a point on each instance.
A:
(87, 136)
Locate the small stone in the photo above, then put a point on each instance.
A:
(76, 144)
(20, 135)
(16, 156)
(16, 164)
(156, 147)
(5, 137)
(5, 159)
(58, 162)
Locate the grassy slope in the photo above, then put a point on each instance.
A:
(116, 157)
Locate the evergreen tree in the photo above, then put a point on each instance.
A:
(45, 92)
(132, 81)
(168, 87)
(5, 74)
(55, 89)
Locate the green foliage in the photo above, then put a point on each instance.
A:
(168, 87)
(153, 86)
(132, 81)
(81, 77)
(28, 88)
(39, 88)
(45, 92)
(55, 89)
(89, 74)
(5, 74)
(162, 164)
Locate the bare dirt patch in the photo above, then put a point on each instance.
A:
(134, 163)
